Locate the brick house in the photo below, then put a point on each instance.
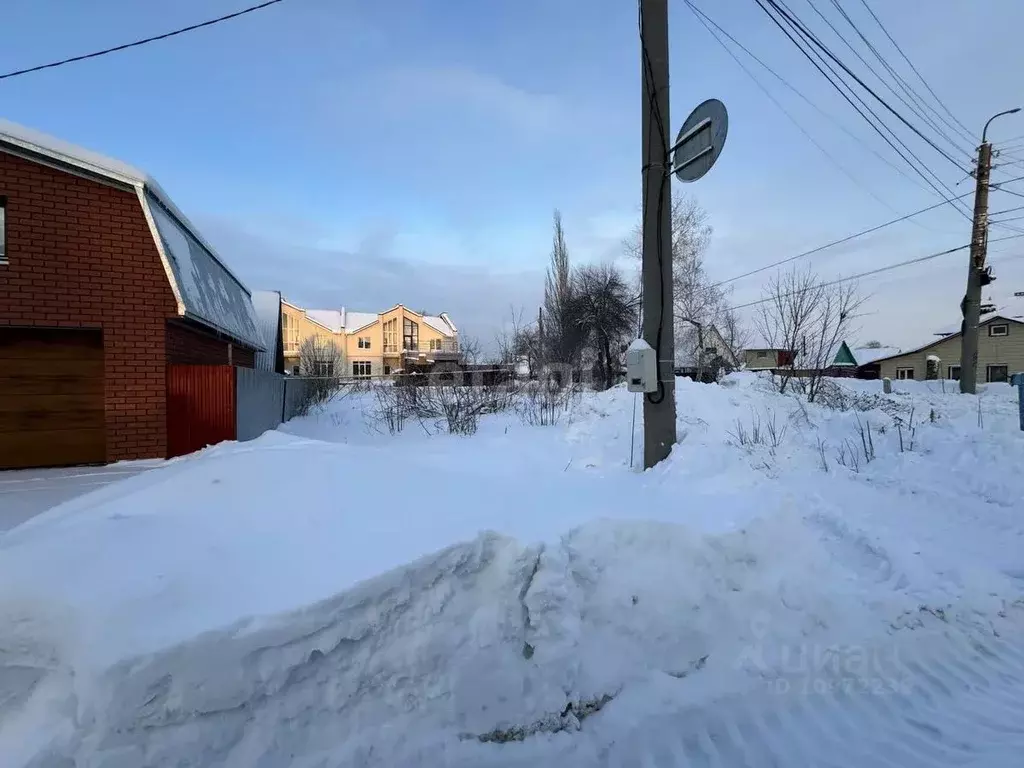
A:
(103, 284)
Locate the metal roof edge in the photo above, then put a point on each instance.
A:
(164, 199)
(159, 242)
(220, 329)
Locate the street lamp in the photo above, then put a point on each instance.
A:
(984, 131)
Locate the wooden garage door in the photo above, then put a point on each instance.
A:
(51, 398)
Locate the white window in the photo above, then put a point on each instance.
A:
(1002, 329)
(3, 230)
(323, 368)
(953, 372)
(904, 373)
(762, 353)
(361, 368)
(290, 329)
(996, 373)
(364, 342)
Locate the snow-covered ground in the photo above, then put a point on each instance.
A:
(331, 595)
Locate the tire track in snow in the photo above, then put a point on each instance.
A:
(958, 702)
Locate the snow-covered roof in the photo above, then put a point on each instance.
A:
(266, 306)
(356, 320)
(447, 318)
(207, 292)
(438, 324)
(328, 318)
(867, 355)
(205, 288)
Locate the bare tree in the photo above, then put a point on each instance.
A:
(320, 356)
(322, 363)
(606, 310)
(809, 319)
(735, 335)
(698, 302)
(873, 344)
(470, 349)
(518, 343)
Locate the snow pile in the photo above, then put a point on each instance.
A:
(331, 595)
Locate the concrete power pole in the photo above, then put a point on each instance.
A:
(660, 406)
(977, 275)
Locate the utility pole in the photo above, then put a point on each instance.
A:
(659, 406)
(977, 274)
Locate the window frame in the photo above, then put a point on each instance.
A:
(949, 373)
(363, 342)
(1004, 326)
(5, 258)
(358, 366)
(903, 370)
(988, 373)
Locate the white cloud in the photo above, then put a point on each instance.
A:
(461, 88)
(370, 277)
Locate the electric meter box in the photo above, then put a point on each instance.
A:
(641, 367)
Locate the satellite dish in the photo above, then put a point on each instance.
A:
(700, 140)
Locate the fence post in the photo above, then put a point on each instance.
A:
(284, 398)
(1018, 379)
(887, 385)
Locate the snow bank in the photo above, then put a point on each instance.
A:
(330, 595)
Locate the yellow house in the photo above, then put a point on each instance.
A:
(1000, 354)
(363, 344)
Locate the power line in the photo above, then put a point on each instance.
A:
(916, 71)
(840, 241)
(915, 108)
(144, 41)
(918, 99)
(1008, 210)
(784, 111)
(849, 98)
(879, 270)
(812, 38)
(999, 186)
(702, 16)
(1009, 191)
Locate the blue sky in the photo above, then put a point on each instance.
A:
(362, 154)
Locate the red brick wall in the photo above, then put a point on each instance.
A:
(81, 256)
(191, 345)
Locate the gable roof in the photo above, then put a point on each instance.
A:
(930, 344)
(954, 329)
(844, 356)
(205, 289)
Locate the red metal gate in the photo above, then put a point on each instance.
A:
(200, 407)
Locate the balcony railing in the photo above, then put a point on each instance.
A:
(439, 346)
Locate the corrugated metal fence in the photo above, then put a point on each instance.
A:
(207, 404)
(265, 400)
(200, 407)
